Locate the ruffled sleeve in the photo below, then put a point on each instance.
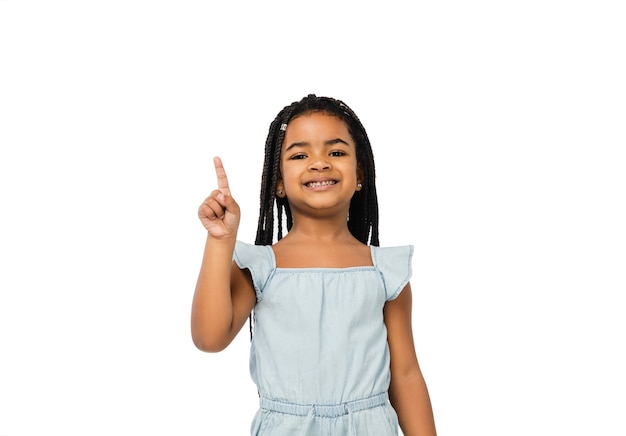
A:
(395, 267)
(259, 260)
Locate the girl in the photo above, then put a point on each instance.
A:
(332, 350)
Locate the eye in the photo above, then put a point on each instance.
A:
(297, 156)
(337, 153)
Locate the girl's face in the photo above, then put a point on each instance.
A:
(318, 164)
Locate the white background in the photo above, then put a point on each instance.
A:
(498, 130)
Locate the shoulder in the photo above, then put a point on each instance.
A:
(398, 257)
(397, 251)
(395, 267)
(259, 260)
(248, 253)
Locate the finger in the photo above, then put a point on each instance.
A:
(222, 180)
(211, 211)
(212, 207)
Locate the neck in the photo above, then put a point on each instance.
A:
(308, 229)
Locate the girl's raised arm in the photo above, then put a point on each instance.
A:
(224, 296)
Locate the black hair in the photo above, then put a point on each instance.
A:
(363, 213)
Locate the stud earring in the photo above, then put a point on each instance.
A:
(279, 192)
(359, 186)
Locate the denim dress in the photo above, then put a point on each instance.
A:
(319, 354)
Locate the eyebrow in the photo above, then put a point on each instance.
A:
(326, 143)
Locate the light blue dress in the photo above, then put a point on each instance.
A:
(319, 354)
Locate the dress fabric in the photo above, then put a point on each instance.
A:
(319, 354)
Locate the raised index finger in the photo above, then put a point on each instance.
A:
(222, 180)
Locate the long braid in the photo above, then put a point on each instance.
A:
(265, 221)
(265, 228)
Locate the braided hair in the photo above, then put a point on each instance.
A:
(363, 213)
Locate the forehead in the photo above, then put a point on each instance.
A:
(316, 126)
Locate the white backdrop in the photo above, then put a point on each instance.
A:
(498, 130)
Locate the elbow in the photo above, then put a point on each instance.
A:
(210, 337)
(209, 344)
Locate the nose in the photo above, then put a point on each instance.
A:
(319, 162)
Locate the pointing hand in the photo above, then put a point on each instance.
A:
(220, 213)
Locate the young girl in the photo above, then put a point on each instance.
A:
(332, 350)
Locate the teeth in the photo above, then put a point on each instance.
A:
(318, 184)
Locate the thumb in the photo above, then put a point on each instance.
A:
(228, 202)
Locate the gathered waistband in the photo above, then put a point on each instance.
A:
(325, 410)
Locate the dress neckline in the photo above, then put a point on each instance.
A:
(317, 268)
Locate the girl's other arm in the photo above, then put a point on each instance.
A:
(224, 295)
(407, 392)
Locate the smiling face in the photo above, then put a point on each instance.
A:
(318, 164)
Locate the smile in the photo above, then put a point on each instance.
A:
(320, 184)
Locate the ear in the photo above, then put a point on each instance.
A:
(280, 189)
(360, 177)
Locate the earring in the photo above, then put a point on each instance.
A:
(279, 192)
(359, 186)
